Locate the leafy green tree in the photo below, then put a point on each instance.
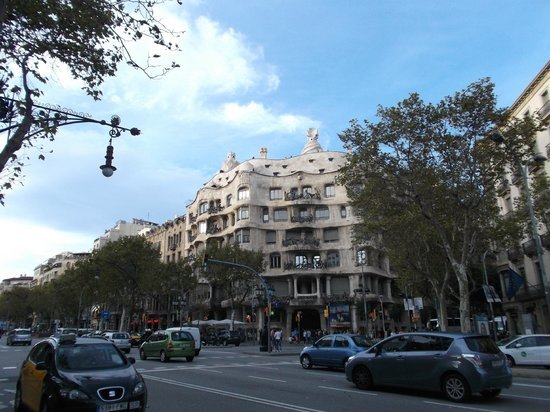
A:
(127, 271)
(89, 37)
(236, 283)
(433, 163)
(15, 306)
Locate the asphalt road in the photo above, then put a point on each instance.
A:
(245, 379)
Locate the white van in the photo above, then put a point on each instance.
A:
(195, 332)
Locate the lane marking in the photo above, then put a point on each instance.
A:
(243, 397)
(454, 405)
(266, 379)
(525, 397)
(348, 390)
(528, 385)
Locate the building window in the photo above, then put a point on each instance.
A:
(330, 191)
(343, 212)
(275, 261)
(228, 200)
(242, 213)
(275, 193)
(300, 261)
(243, 236)
(243, 193)
(202, 227)
(321, 212)
(270, 237)
(280, 215)
(265, 214)
(307, 190)
(330, 234)
(203, 208)
(333, 259)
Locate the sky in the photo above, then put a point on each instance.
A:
(253, 74)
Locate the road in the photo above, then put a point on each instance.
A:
(243, 379)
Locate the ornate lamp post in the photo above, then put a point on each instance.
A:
(51, 117)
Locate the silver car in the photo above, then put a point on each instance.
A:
(19, 337)
(121, 339)
(527, 350)
(453, 363)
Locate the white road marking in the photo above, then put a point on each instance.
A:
(348, 390)
(266, 379)
(453, 405)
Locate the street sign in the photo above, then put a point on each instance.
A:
(491, 294)
(105, 315)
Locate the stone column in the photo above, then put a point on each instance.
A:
(328, 285)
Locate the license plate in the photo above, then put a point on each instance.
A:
(121, 406)
(497, 363)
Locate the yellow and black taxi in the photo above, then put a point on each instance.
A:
(67, 373)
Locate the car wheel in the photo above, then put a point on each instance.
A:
(189, 358)
(142, 354)
(163, 357)
(17, 402)
(44, 407)
(491, 393)
(306, 362)
(362, 378)
(511, 361)
(456, 388)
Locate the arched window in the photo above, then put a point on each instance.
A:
(243, 193)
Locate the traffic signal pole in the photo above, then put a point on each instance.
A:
(206, 260)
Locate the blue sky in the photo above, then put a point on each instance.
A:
(254, 74)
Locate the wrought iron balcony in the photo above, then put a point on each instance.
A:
(302, 242)
(301, 219)
(305, 266)
(297, 196)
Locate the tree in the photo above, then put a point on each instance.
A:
(128, 270)
(433, 164)
(177, 279)
(15, 306)
(89, 37)
(235, 282)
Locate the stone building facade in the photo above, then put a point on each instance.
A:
(527, 311)
(296, 213)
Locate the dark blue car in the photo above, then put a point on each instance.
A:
(333, 350)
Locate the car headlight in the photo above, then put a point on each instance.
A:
(73, 394)
(139, 388)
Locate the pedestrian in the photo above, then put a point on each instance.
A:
(278, 340)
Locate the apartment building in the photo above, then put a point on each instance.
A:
(527, 310)
(55, 266)
(296, 213)
(123, 228)
(21, 281)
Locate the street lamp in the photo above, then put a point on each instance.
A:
(364, 291)
(380, 297)
(499, 139)
(52, 116)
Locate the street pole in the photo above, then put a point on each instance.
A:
(364, 301)
(382, 317)
(486, 283)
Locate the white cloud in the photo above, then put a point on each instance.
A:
(32, 243)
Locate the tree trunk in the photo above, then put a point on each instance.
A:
(122, 326)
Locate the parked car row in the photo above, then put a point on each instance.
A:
(455, 364)
(222, 337)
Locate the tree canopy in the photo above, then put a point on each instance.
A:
(429, 171)
(89, 37)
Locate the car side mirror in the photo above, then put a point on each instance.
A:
(41, 366)
(131, 359)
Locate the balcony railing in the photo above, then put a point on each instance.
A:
(544, 110)
(305, 266)
(297, 196)
(215, 209)
(529, 248)
(301, 242)
(301, 219)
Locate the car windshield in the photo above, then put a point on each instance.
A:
(506, 341)
(120, 336)
(89, 357)
(361, 341)
(482, 344)
(23, 332)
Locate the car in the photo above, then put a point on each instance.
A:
(531, 349)
(135, 339)
(454, 363)
(226, 337)
(68, 373)
(333, 350)
(120, 339)
(166, 345)
(195, 332)
(19, 337)
(210, 338)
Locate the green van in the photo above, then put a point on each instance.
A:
(167, 344)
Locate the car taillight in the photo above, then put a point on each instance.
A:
(170, 345)
(475, 359)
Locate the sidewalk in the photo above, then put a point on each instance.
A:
(531, 372)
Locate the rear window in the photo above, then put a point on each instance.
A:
(481, 344)
(181, 336)
(361, 341)
(121, 336)
(23, 332)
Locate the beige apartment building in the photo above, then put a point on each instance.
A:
(295, 212)
(55, 266)
(527, 311)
